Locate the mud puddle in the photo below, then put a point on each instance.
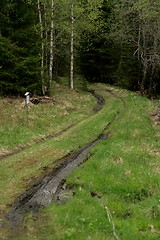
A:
(100, 101)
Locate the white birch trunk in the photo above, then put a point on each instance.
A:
(46, 38)
(42, 47)
(51, 48)
(72, 48)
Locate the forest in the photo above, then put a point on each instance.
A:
(81, 159)
(107, 41)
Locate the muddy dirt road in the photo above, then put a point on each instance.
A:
(51, 186)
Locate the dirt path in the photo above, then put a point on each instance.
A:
(98, 107)
(51, 187)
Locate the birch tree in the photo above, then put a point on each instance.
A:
(72, 46)
(42, 45)
(19, 47)
(82, 18)
(46, 29)
(61, 26)
(51, 47)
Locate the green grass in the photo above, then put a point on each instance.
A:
(43, 118)
(123, 171)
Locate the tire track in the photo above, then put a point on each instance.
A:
(49, 187)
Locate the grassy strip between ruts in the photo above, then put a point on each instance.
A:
(120, 181)
(19, 171)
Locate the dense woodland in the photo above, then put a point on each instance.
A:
(111, 41)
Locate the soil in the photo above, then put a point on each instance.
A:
(52, 187)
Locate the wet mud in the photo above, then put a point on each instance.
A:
(100, 101)
(51, 188)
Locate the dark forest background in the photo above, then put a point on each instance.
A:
(115, 42)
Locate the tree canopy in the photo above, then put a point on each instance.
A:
(116, 42)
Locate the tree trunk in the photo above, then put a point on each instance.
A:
(46, 61)
(139, 40)
(42, 47)
(72, 48)
(51, 48)
(142, 84)
(144, 59)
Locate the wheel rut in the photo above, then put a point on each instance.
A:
(48, 189)
(97, 107)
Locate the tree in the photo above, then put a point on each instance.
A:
(136, 24)
(51, 47)
(78, 17)
(19, 45)
(72, 46)
(83, 21)
(98, 52)
(42, 44)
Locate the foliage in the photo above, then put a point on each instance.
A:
(112, 41)
(19, 45)
(136, 23)
(124, 50)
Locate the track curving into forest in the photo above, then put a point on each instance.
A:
(50, 187)
(98, 107)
